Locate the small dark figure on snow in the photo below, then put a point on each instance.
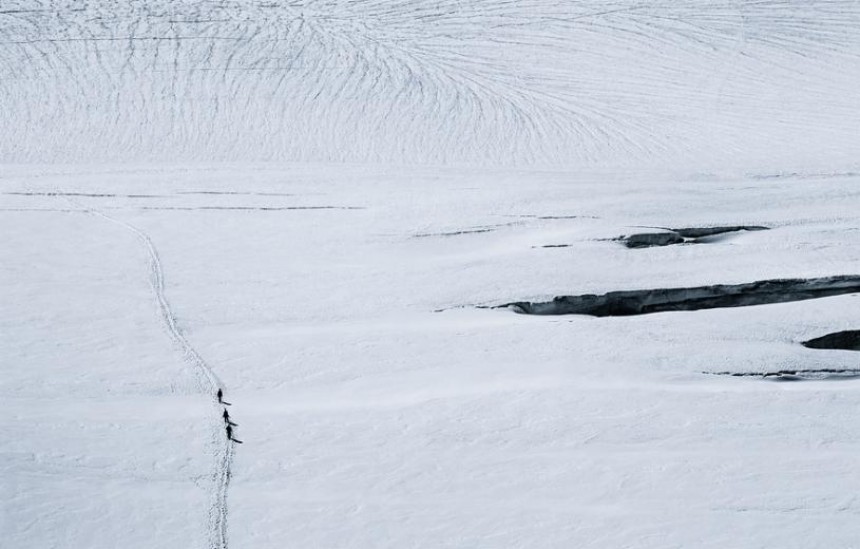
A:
(226, 416)
(220, 395)
(230, 434)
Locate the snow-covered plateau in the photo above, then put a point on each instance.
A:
(488, 274)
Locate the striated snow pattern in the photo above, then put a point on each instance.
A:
(538, 82)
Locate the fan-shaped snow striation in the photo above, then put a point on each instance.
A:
(532, 82)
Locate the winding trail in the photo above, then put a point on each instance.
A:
(208, 383)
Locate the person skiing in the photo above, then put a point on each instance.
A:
(226, 417)
(220, 395)
(230, 434)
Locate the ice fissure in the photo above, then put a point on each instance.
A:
(640, 302)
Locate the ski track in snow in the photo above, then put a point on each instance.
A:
(208, 382)
(439, 430)
(487, 81)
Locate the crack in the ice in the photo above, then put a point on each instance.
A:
(813, 374)
(83, 195)
(848, 340)
(691, 235)
(251, 208)
(434, 81)
(640, 302)
(232, 193)
(455, 233)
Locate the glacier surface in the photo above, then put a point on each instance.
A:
(318, 206)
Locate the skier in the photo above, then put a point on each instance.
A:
(230, 435)
(220, 395)
(226, 417)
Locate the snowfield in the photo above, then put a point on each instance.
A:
(764, 83)
(322, 207)
(378, 407)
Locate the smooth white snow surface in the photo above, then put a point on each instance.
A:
(756, 83)
(371, 420)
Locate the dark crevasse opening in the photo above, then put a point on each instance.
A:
(683, 235)
(846, 341)
(640, 302)
(821, 374)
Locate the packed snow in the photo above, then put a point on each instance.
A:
(322, 207)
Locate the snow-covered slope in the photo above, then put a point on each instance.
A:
(670, 82)
(371, 421)
(430, 160)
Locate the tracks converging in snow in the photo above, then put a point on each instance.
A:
(429, 81)
(208, 383)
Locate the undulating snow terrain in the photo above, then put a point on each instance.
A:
(377, 407)
(599, 82)
(323, 208)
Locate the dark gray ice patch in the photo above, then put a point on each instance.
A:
(700, 232)
(649, 240)
(821, 374)
(846, 341)
(640, 302)
(691, 235)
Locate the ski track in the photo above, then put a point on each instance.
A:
(432, 81)
(208, 382)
